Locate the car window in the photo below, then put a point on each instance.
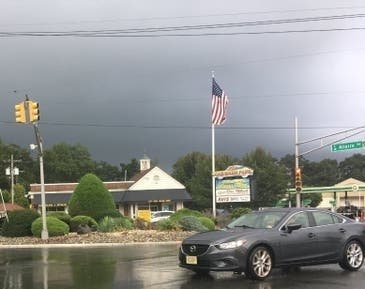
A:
(258, 220)
(337, 219)
(323, 218)
(299, 218)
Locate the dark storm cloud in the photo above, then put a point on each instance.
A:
(121, 97)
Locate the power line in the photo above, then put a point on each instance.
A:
(45, 123)
(138, 32)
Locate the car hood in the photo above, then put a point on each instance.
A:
(221, 236)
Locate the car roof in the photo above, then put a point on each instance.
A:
(289, 210)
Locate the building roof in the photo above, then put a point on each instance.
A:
(350, 181)
(140, 175)
(122, 196)
(66, 187)
(11, 207)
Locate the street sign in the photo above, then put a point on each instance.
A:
(347, 146)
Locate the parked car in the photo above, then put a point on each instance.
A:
(259, 241)
(160, 215)
(348, 211)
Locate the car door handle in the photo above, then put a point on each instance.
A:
(342, 230)
(311, 235)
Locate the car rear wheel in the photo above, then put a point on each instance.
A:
(353, 256)
(259, 263)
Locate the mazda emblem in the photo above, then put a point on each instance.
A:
(192, 249)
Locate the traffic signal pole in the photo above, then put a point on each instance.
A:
(28, 112)
(44, 234)
(298, 192)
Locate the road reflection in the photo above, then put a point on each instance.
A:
(149, 266)
(316, 277)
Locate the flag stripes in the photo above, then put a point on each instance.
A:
(219, 104)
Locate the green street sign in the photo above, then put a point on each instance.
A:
(347, 146)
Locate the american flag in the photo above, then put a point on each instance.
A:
(219, 104)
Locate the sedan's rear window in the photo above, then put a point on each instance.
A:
(323, 218)
(258, 220)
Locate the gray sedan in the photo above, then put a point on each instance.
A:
(277, 237)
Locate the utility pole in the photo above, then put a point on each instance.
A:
(12, 172)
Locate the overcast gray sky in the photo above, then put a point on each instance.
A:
(123, 96)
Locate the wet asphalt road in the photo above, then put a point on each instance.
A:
(146, 266)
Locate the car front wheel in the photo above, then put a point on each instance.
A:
(353, 256)
(259, 263)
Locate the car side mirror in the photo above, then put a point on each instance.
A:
(293, 227)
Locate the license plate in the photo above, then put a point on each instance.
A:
(191, 260)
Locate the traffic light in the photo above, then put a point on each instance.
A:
(298, 180)
(20, 113)
(33, 108)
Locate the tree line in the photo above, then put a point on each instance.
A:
(69, 163)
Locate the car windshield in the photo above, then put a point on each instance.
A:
(258, 220)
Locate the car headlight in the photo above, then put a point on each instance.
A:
(231, 245)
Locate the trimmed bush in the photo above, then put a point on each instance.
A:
(238, 212)
(166, 225)
(191, 223)
(112, 213)
(63, 216)
(20, 223)
(55, 227)
(91, 198)
(78, 221)
(183, 213)
(207, 223)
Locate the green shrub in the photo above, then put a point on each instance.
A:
(183, 213)
(91, 198)
(125, 223)
(238, 212)
(78, 221)
(166, 225)
(20, 222)
(55, 227)
(191, 223)
(207, 223)
(110, 213)
(109, 224)
(63, 216)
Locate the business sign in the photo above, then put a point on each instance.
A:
(347, 146)
(144, 215)
(233, 171)
(232, 190)
(233, 184)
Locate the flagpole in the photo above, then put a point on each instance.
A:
(213, 170)
(213, 166)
